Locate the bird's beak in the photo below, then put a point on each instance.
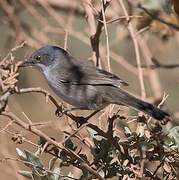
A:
(27, 63)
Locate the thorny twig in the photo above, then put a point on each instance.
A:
(95, 37)
(8, 70)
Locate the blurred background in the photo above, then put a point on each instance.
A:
(64, 23)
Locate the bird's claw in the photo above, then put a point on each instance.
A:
(165, 121)
(80, 121)
(59, 112)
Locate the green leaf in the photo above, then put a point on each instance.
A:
(52, 162)
(24, 158)
(127, 131)
(21, 154)
(31, 157)
(38, 151)
(141, 131)
(69, 144)
(101, 173)
(168, 142)
(93, 134)
(26, 174)
(174, 132)
(133, 112)
(147, 147)
(85, 174)
(84, 157)
(56, 172)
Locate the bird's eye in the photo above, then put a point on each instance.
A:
(38, 58)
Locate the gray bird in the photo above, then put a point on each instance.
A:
(83, 85)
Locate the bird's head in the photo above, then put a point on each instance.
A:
(44, 57)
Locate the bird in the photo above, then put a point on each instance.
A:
(83, 85)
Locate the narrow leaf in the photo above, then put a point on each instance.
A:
(26, 174)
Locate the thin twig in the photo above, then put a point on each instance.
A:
(7, 125)
(13, 50)
(174, 26)
(136, 47)
(121, 18)
(73, 134)
(30, 122)
(66, 40)
(106, 34)
(156, 64)
(165, 96)
(158, 167)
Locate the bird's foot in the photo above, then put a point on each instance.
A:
(81, 120)
(60, 112)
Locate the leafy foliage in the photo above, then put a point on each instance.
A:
(160, 147)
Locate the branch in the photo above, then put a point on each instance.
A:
(157, 64)
(37, 132)
(174, 26)
(94, 33)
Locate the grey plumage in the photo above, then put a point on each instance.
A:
(84, 85)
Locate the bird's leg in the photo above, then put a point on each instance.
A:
(75, 109)
(80, 120)
(63, 110)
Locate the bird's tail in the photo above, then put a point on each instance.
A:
(129, 100)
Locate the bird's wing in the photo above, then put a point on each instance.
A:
(83, 73)
(98, 77)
